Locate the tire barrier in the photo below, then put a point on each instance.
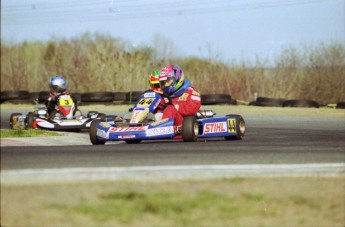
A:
(119, 97)
(264, 101)
(43, 96)
(16, 97)
(129, 98)
(214, 99)
(133, 96)
(340, 105)
(106, 97)
(301, 103)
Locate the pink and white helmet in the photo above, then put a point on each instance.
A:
(171, 78)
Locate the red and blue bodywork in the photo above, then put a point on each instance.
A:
(143, 125)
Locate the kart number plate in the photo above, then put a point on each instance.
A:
(66, 102)
(145, 102)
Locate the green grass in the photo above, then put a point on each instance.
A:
(291, 201)
(7, 133)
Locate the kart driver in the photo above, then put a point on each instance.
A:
(58, 87)
(154, 82)
(180, 98)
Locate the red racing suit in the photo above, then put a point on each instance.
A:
(186, 104)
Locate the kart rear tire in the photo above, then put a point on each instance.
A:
(190, 129)
(93, 133)
(240, 128)
(29, 120)
(132, 141)
(11, 119)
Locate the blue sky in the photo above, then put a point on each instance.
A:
(225, 29)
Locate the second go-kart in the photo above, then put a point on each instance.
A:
(65, 117)
(142, 124)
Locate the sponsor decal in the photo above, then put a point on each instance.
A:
(139, 115)
(101, 133)
(160, 131)
(145, 102)
(126, 129)
(105, 125)
(215, 127)
(126, 136)
(197, 98)
(150, 95)
(160, 122)
(231, 125)
(183, 97)
(195, 93)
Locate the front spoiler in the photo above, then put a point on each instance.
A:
(158, 130)
(62, 124)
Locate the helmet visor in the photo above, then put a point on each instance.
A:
(155, 85)
(170, 82)
(55, 88)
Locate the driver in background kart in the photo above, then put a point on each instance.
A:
(180, 98)
(154, 82)
(58, 87)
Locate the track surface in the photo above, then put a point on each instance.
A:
(268, 140)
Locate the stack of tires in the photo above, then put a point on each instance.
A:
(217, 99)
(264, 101)
(16, 97)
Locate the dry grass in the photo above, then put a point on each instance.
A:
(301, 201)
(95, 62)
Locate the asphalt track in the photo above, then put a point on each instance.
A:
(269, 140)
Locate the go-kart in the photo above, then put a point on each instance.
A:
(141, 123)
(65, 117)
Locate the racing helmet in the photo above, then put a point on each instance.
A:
(171, 78)
(154, 82)
(57, 84)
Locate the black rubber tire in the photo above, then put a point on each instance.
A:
(13, 95)
(97, 97)
(263, 101)
(2, 97)
(189, 128)
(240, 123)
(76, 98)
(213, 99)
(29, 120)
(120, 96)
(11, 118)
(132, 141)
(33, 96)
(340, 105)
(301, 103)
(93, 133)
(43, 96)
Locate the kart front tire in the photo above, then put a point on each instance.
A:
(240, 128)
(190, 129)
(93, 133)
(11, 118)
(29, 120)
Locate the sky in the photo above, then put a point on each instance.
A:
(221, 29)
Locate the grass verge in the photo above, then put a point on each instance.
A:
(291, 201)
(8, 133)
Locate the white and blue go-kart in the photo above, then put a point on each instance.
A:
(141, 123)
